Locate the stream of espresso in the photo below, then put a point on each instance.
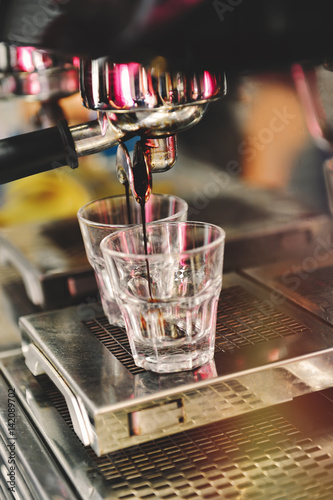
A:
(142, 203)
(143, 222)
(128, 204)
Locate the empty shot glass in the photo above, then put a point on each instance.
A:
(102, 217)
(169, 296)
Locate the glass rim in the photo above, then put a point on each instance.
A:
(156, 256)
(91, 223)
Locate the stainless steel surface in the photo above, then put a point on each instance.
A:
(36, 74)
(157, 123)
(280, 453)
(28, 470)
(146, 101)
(9, 331)
(66, 449)
(308, 282)
(112, 128)
(124, 166)
(161, 153)
(132, 86)
(38, 364)
(51, 260)
(5, 494)
(270, 353)
(97, 135)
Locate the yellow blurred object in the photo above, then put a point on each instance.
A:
(47, 196)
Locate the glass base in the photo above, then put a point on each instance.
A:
(171, 363)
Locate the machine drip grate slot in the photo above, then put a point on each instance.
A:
(260, 455)
(315, 286)
(116, 340)
(242, 319)
(245, 319)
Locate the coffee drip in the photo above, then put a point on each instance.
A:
(128, 207)
(138, 179)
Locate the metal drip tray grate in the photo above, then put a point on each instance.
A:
(115, 339)
(280, 454)
(261, 456)
(309, 283)
(243, 319)
(246, 319)
(264, 355)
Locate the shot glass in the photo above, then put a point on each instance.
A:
(168, 297)
(102, 217)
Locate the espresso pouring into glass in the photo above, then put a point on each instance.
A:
(102, 217)
(160, 277)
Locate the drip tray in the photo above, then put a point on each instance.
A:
(264, 355)
(27, 470)
(278, 453)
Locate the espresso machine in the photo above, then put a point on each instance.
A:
(78, 419)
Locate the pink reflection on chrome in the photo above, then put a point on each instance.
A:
(34, 85)
(121, 77)
(25, 59)
(306, 86)
(209, 85)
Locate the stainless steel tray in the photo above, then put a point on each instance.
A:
(264, 355)
(27, 470)
(278, 453)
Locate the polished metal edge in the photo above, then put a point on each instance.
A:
(132, 86)
(11, 255)
(276, 449)
(40, 86)
(66, 449)
(52, 276)
(35, 470)
(114, 399)
(4, 493)
(16, 484)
